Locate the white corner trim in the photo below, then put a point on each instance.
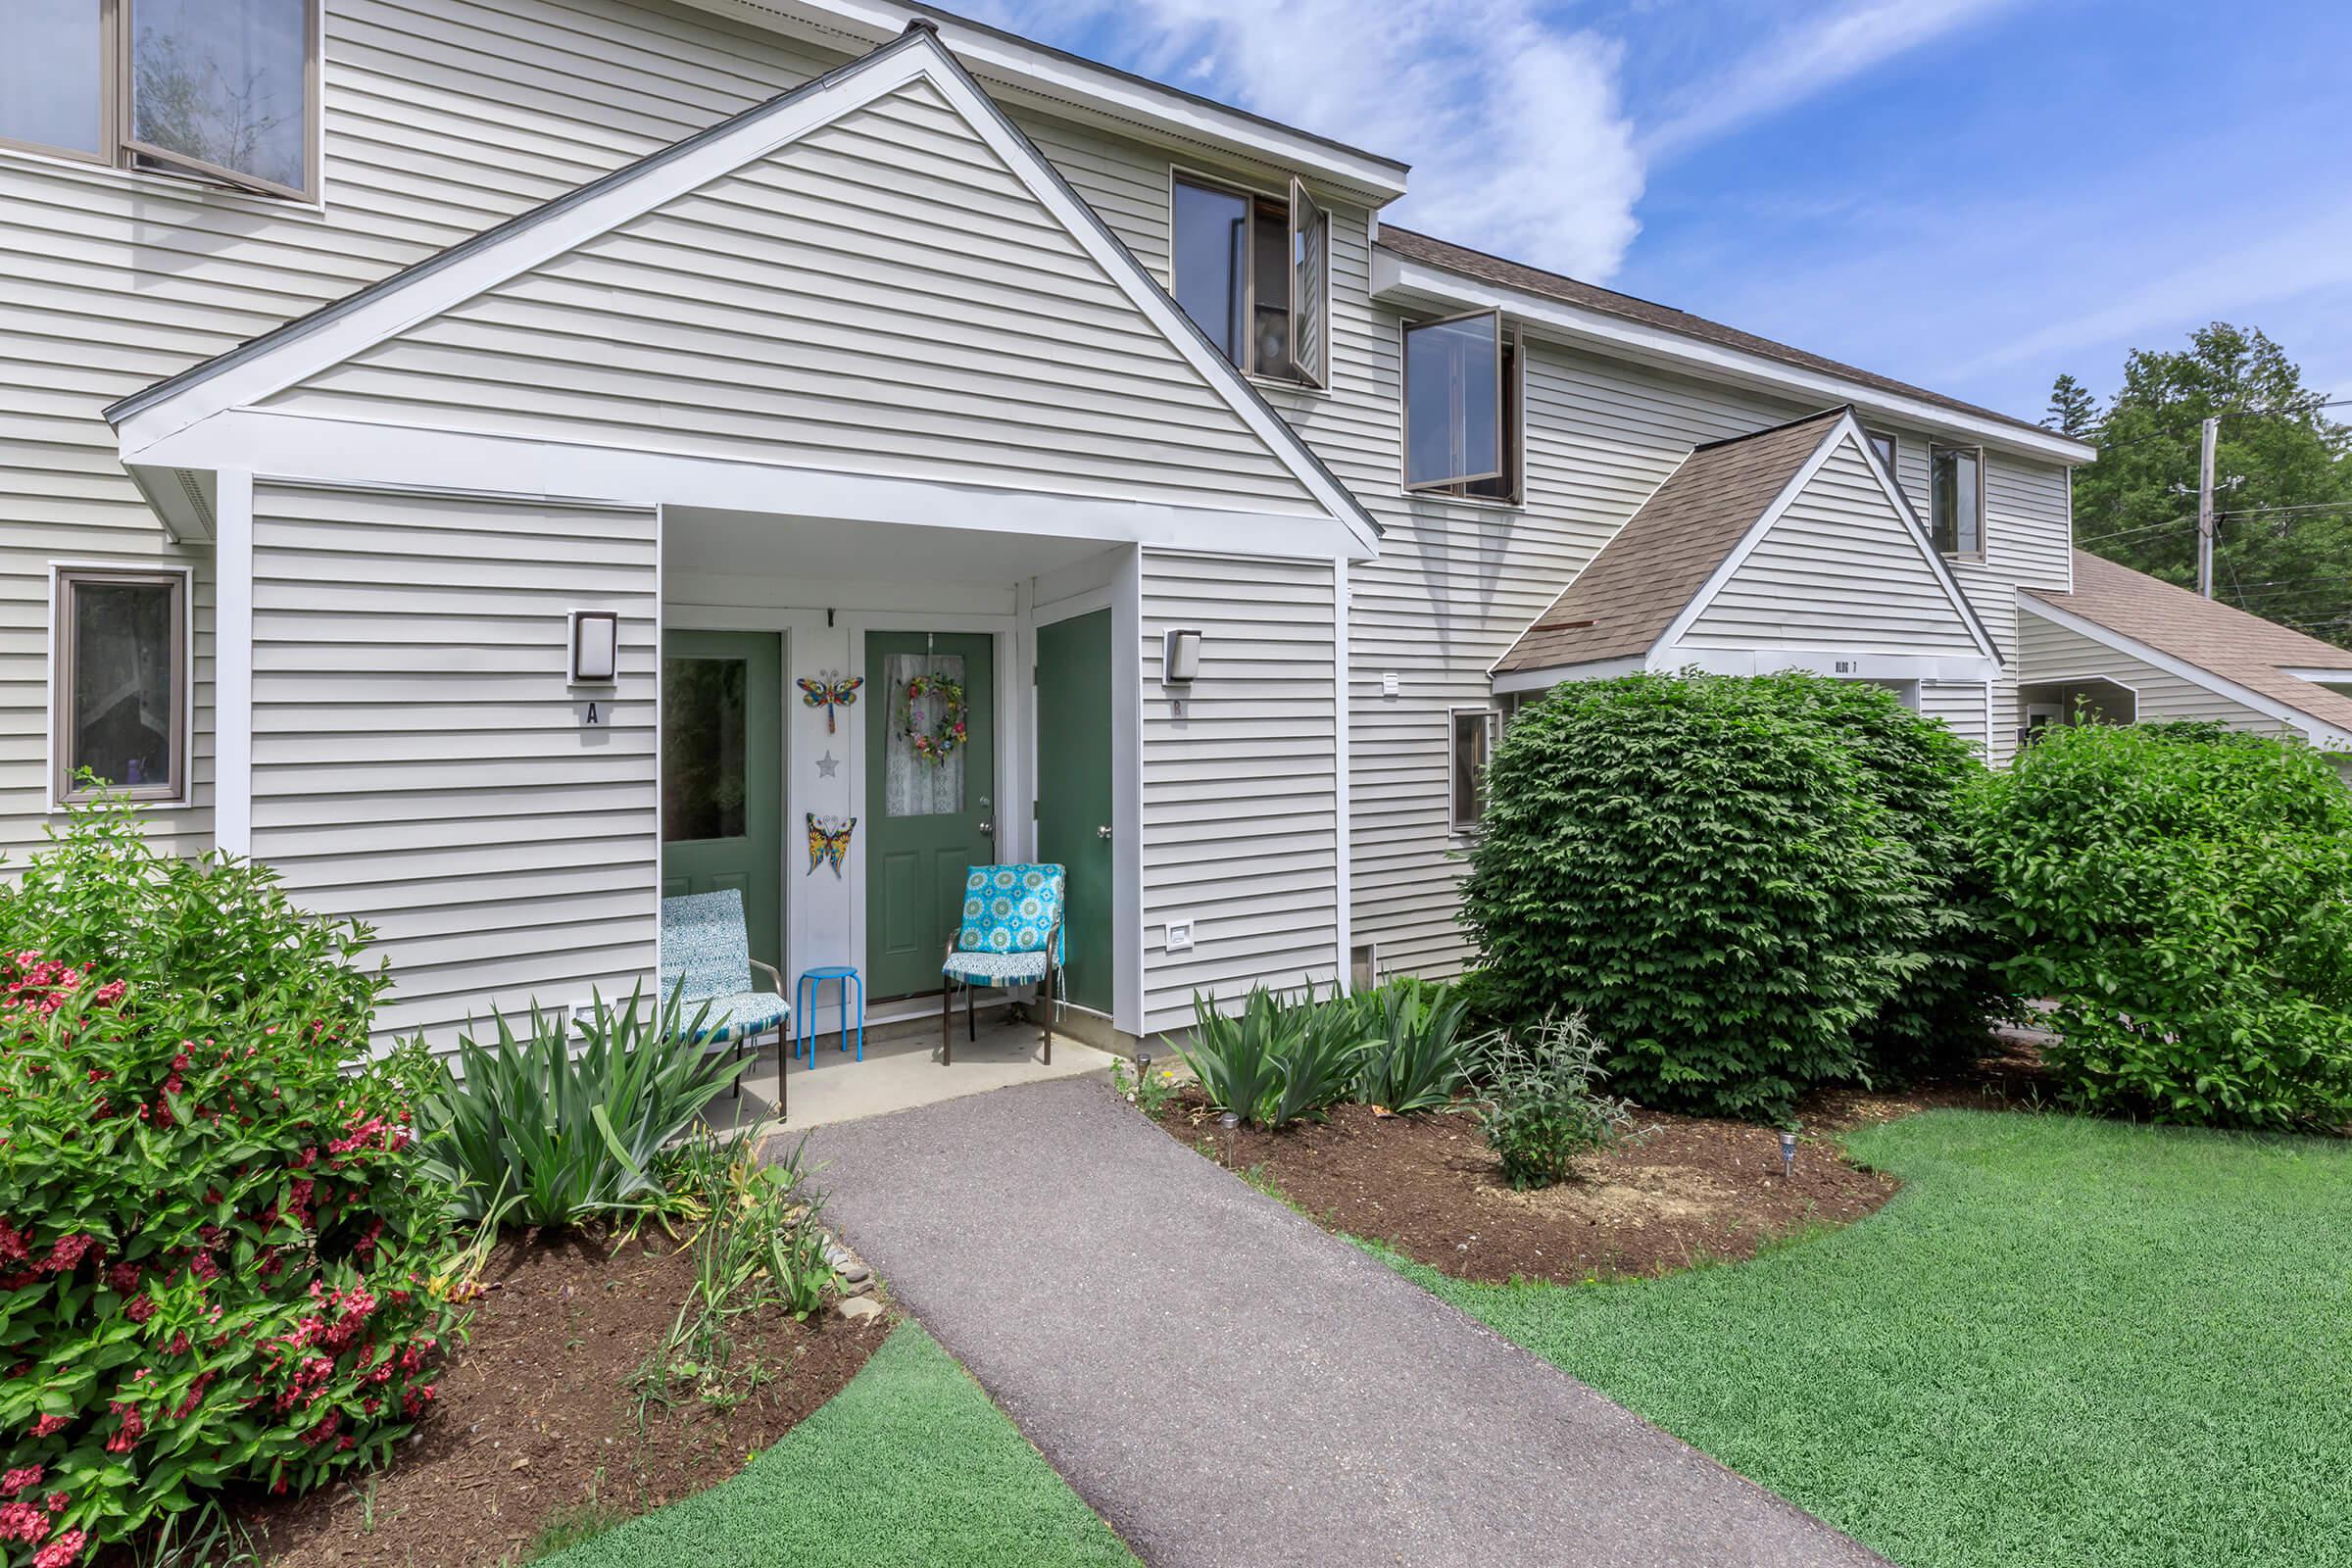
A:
(1344, 891)
(232, 663)
(1394, 276)
(2320, 731)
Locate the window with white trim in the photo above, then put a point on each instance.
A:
(1252, 273)
(119, 683)
(1956, 499)
(1461, 408)
(223, 90)
(1471, 746)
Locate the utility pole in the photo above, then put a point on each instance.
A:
(2209, 432)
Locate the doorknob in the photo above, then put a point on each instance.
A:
(988, 830)
(1103, 832)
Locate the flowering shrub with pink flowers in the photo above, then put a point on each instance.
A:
(218, 1243)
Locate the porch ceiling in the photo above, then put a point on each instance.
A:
(703, 541)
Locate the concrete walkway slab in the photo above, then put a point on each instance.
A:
(1227, 1385)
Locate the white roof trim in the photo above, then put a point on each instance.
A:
(1394, 276)
(1116, 95)
(2321, 733)
(1844, 429)
(294, 354)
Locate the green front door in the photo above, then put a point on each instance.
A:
(930, 797)
(1073, 791)
(722, 774)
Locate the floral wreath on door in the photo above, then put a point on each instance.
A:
(939, 739)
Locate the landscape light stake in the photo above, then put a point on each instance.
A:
(1788, 1154)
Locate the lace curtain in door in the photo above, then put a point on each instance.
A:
(910, 785)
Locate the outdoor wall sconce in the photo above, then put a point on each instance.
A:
(1179, 663)
(595, 647)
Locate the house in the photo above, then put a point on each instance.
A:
(2120, 647)
(522, 457)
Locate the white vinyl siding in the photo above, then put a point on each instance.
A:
(1959, 705)
(882, 296)
(2054, 655)
(1241, 823)
(1838, 568)
(419, 761)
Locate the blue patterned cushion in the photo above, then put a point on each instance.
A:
(732, 1018)
(704, 946)
(1011, 909)
(996, 968)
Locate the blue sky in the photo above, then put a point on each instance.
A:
(1969, 194)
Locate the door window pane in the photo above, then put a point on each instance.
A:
(923, 780)
(1453, 401)
(1210, 254)
(224, 82)
(704, 746)
(52, 75)
(124, 655)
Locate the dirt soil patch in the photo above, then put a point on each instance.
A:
(1691, 1190)
(538, 1424)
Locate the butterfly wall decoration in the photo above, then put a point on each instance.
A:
(829, 841)
(829, 692)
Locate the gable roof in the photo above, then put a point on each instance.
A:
(1660, 571)
(299, 348)
(1495, 270)
(1651, 569)
(2237, 647)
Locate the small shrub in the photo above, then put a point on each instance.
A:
(2183, 897)
(1416, 1059)
(215, 1229)
(1541, 1109)
(562, 1124)
(1275, 1062)
(1721, 870)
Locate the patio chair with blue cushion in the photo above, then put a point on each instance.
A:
(707, 956)
(1011, 936)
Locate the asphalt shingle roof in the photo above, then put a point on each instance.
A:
(2238, 647)
(1624, 600)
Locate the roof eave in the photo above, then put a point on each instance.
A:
(1117, 98)
(1399, 278)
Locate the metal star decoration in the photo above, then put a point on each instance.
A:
(827, 765)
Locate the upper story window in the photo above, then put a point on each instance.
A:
(1251, 274)
(1882, 443)
(120, 674)
(1956, 499)
(227, 90)
(1461, 408)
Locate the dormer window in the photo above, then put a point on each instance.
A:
(1461, 408)
(1250, 273)
(224, 90)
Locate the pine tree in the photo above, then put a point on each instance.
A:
(2072, 410)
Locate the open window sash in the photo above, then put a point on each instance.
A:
(1310, 267)
(125, 109)
(1453, 401)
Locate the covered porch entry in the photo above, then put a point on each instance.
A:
(851, 715)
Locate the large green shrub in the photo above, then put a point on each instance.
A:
(1749, 884)
(216, 1247)
(2183, 897)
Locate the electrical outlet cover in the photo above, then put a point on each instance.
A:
(1180, 936)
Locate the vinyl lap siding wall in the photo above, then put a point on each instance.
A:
(419, 761)
(1241, 823)
(882, 296)
(1838, 568)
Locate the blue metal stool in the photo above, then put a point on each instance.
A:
(805, 994)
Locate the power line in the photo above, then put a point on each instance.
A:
(2126, 533)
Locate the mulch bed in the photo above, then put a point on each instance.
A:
(1690, 1191)
(537, 1421)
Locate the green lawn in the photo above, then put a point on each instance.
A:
(910, 1464)
(2065, 1341)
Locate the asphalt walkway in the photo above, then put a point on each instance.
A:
(1229, 1386)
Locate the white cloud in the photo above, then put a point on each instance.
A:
(1804, 60)
(1514, 129)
